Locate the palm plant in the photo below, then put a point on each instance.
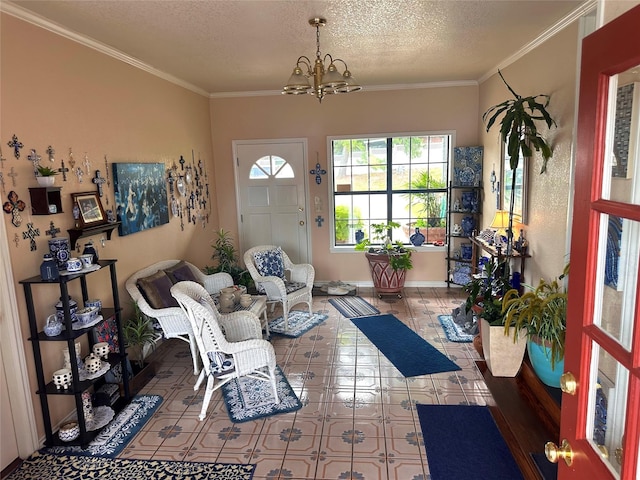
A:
(226, 256)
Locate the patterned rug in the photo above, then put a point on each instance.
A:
(352, 307)
(249, 399)
(453, 331)
(71, 467)
(299, 323)
(119, 432)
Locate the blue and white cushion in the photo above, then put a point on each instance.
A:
(270, 263)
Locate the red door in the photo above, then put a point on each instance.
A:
(600, 420)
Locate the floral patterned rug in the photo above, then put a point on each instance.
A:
(249, 398)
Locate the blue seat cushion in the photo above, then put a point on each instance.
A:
(289, 286)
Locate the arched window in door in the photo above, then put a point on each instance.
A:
(271, 166)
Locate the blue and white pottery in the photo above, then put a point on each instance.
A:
(73, 308)
(468, 224)
(59, 248)
(466, 250)
(540, 356)
(417, 239)
(74, 265)
(468, 200)
(94, 302)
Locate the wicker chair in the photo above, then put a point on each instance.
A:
(241, 339)
(276, 288)
(172, 320)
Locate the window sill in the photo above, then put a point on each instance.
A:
(421, 249)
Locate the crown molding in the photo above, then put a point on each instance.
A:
(560, 25)
(29, 17)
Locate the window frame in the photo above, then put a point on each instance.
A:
(349, 247)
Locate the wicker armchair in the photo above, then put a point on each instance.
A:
(173, 321)
(277, 289)
(241, 340)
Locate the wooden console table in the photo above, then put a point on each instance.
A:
(478, 245)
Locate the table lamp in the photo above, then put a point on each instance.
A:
(501, 223)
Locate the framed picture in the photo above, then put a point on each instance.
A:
(141, 196)
(90, 210)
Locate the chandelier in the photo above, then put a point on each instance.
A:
(325, 82)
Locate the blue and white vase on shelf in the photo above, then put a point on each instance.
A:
(468, 225)
(359, 236)
(417, 238)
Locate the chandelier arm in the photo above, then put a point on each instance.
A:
(340, 60)
(304, 60)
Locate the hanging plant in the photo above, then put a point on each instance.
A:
(518, 130)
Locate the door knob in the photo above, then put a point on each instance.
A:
(554, 453)
(568, 383)
(301, 222)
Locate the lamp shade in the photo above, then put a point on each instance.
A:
(500, 220)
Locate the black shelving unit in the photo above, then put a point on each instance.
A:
(459, 248)
(69, 335)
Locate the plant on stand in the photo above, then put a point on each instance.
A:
(388, 261)
(542, 312)
(518, 130)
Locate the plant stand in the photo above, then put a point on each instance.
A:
(386, 280)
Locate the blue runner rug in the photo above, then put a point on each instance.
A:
(464, 443)
(119, 432)
(298, 323)
(403, 347)
(248, 398)
(352, 307)
(453, 331)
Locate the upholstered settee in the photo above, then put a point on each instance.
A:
(150, 290)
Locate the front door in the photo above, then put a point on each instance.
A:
(272, 185)
(600, 419)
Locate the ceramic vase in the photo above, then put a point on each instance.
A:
(59, 249)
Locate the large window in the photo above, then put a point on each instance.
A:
(382, 179)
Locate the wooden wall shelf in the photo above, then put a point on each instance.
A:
(77, 233)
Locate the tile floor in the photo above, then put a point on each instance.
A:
(358, 420)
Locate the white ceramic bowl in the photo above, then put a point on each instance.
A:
(69, 431)
(94, 302)
(62, 378)
(101, 350)
(87, 315)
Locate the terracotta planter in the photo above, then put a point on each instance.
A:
(386, 280)
(503, 356)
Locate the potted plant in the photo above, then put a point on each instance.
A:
(486, 297)
(427, 207)
(140, 340)
(45, 176)
(388, 261)
(542, 311)
(225, 253)
(519, 131)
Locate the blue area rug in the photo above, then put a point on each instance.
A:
(453, 331)
(403, 347)
(299, 323)
(352, 307)
(117, 434)
(464, 443)
(71, 467)
(249, 399)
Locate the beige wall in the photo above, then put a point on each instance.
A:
(57, 92)
(365, 112)
(549, 69)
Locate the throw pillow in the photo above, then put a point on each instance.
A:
(270, 263)
(221, 363)
(181, 272)
(156, 289)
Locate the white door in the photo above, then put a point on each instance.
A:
(272, 200)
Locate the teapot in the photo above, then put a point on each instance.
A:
(53, 326)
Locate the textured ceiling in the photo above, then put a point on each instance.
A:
(224, 46)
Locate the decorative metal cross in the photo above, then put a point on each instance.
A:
(79, 173)
(13, 176)
(31, 234)
(72, 162)
(63, 170)
(319, 220)
(317, 172)
(98, 180)
(53, 230)
(16, 145)
(2, 159)
(192, 198)
(2, 182)
(87, 164)
(14, 207)
(35, 158)
(106, 170)
(16, 239)
(181, 219)
(182, 161)
(51, 152)
(200, 164)
(170, 180)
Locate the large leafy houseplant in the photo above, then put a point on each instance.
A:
(226, 256)
(518, 130)
(486, 292)
(542, 311)
(399, 255)
(139, 336)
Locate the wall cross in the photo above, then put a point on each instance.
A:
(98, 180)
(317, 172)
(64, 169)
(35, 159)
(16, 145)
(79, 173)
(319, 220)
(13, 176)
(31, 234)
(2, 159)
(53, 230)
(87, 164)
(51, 152)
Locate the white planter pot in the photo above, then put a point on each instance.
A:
(46, 181)
(503, 356)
